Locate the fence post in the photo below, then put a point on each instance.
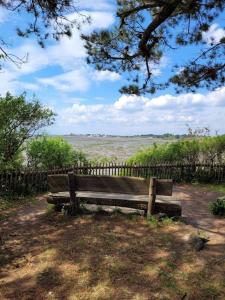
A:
(152, 196)
(73, 199)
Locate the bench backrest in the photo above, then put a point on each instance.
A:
(110, 184)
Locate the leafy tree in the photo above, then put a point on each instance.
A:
(47, 19)
(19, 120)
(146, 29)
(213, 149)
(190, 151)
(206, 150)
(49, 152)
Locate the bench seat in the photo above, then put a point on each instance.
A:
(164, 204)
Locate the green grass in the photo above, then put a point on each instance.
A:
(154, 222)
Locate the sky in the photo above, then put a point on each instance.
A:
(88, 101)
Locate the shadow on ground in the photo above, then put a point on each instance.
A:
(51, 256)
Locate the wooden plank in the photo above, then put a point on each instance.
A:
(112, 184)
(58, 183)
(73, 199)
(100, 200)
(164, 187)
(168, 206)
(117, 202)
(152, 196)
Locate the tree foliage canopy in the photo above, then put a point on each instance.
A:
(47, 19)
(187, 151)
(146, 29)
(19, 120)
(49, 152)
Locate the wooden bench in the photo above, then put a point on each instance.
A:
(132, 192)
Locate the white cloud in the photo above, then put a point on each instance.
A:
(133, 114)
(27, 86)
(68, 82)
(9, 83)
(92, 5)
(214, 34)
(78, 80)
(3, 15)
(105, 75)
(130, 102)
(167, 101)
(156, 69)
(35, 58)
(67, 51)
(64, 53)
(68, 54)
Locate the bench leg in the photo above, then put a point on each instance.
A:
(151, 197)
(74, 203)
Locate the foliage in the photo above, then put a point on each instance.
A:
(15, 163)
(213, 149)
(47, 19)
(218, 207)
(205, 149)
(145, 30)
(187, 153)
(49, 152)
(19, 120)
(104, 160)
(154, 221)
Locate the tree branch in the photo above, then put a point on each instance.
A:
(165, 12)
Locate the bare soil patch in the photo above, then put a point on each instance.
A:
(45, 255)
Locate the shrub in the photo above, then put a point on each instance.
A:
(16, 161)
(206, 149)
(218, 207)
(180, 152)
(47, 152)
(19, 120)
(213, 149)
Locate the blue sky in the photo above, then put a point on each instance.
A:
(88, 101)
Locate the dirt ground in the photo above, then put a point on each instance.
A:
(195, 209)
(46, 255)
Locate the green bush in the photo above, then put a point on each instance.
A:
(198, 150)
(179, 152)
(16, 162)
(213, 149)
(47, 152)
(218, 207)
(19, 120)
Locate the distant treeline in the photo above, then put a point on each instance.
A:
(151, 135)
(198, 150)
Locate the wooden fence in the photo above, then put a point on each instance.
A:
(28, 181)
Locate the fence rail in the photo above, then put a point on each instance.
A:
(27, 180)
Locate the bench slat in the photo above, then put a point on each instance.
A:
(58, 183)
(110, 184)
(164, 187)
(168, 206)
